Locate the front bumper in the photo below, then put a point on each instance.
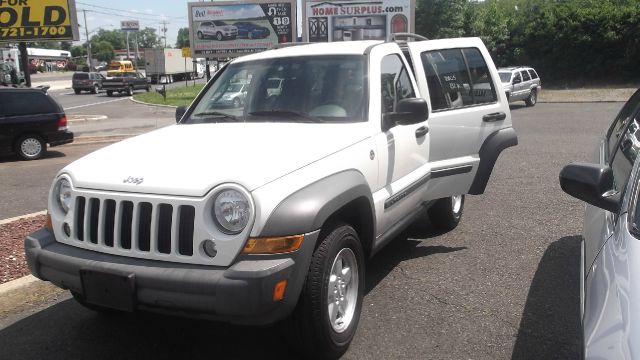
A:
(242, 293)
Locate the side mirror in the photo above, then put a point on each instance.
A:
(408, 111)
(591, 183)
(180, 110)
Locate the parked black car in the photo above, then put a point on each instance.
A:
(29, 119)
(88, 81)
(125, 82)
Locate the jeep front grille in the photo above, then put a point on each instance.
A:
(136, 226)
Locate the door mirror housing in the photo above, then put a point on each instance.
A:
(180, 110)
(408, 111)
(591, 183)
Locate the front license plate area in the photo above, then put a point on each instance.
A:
(114, 291)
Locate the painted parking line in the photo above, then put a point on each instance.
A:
(97, 103)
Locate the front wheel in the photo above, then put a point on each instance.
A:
(95, 88)
(446, 213)
(200, 35)
(532, 99)
(219, 36)
(109, 92)
(328, 311)
(30, 147)
(130, 90)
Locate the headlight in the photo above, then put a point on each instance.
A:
(231, 211)
(62, 194)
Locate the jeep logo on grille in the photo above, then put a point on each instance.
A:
(133, 180)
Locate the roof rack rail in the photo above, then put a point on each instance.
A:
(289, 44)
(402, 36)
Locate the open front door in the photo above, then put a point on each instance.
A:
(467, 110)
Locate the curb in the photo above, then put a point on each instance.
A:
(83, 140)
(18, 284)
(150, 104)
(27, 216)
(82, 118)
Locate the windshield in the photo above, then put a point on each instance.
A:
(220, 23)
(291, 89)
(505, 77)
(113, 67)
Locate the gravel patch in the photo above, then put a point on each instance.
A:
(13, 264)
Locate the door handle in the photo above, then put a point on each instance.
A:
(421, 131)
(498, 116)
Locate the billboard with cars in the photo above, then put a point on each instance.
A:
(347, 20)
(232, 28)
(38, 20)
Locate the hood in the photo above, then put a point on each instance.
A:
(190, 160)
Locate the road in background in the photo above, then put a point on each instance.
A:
(503, 284)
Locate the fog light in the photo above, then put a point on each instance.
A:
(67, 229)
(209, 248)
(278, 290)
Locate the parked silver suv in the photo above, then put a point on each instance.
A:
(520, 83)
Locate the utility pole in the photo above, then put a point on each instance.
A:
(164, 32)
(86, 32)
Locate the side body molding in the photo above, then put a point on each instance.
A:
(308, 208)
(489, 152)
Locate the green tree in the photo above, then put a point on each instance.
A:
(183, 38)
(147, 38)
(440, 18)
(102, 50)
(114, 37)
(78, 50)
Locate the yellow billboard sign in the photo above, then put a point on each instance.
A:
(27, 20)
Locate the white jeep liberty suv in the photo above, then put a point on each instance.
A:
(267, 211)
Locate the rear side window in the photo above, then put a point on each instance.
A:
(80, 76)
(533, 73)
(26, 103)
(457, 78)
(525, 75)
(395, 82)
(626, 155)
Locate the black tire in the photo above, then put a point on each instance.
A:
(200, 35)
(130, 90)
(310, 323)
(77, 91)
(95, 88)
(148, 88)
(30, 147)
(109, 92)
(532, 99)
(219, 36)
(99, 309)
(444, 215)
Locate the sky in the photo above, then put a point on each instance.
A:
(150, 13)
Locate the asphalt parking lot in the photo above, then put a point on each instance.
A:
(504, 284)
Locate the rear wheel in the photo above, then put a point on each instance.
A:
(130, 90)
(95, 88)
(446, 213)
(109, 92)
(532, 99)
(328, 311)
(200, 35)
(219, 36)
(30, 147)
(77, 91)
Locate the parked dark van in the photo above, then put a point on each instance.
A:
(88, 81)
(29, 120)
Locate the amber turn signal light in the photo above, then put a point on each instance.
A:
(47, 224)
(273, 245)
(278, 290)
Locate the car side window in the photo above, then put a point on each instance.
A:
(457, 78)
(625, 156)
(517, 78)
(533, 74)
(525, 75)
(622, 119)
(26, 103)
(395, 82)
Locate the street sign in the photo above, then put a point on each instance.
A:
(186, 52)
(130, 25)
(38, 20)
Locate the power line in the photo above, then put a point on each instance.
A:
(127, 11)
(148, 19)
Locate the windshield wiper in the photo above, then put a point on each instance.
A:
(286, 113)
(217, 115)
